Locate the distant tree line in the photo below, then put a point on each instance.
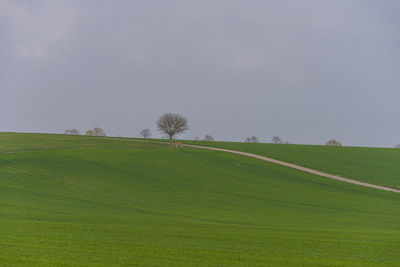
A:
(207, 137)
(97, 131)
(279, 140)
(333, 142)
(172, 125)
(253, 139)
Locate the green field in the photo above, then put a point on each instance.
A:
(373, 165)
(87, 201)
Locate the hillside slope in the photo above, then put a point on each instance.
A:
(372, 165)
(84, 201)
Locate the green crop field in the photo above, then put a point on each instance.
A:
(87, 201)
(373, 165)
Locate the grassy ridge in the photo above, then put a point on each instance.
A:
(373, 165)
(94, 201)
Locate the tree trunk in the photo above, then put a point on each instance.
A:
(170, 140)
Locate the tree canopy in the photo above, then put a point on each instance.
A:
(172, 124)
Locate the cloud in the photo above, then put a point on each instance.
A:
(36, 31)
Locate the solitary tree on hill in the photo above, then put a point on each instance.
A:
(145, 133)
(172, 125)
(333, 142)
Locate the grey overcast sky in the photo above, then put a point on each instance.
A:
(307, 71)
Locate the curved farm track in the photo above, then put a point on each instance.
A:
(290, 165)
(304, 169)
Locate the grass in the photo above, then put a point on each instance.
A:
(372, 165)
(81, 201)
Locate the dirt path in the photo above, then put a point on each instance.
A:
(290, 165)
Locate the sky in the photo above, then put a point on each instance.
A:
(307, 71)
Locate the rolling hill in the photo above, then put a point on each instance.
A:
(87, 201)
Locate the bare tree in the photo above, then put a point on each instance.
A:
(172, 124)
(197, 138)
(333, 142)
(72, 131)
(276, 140)
(208, 137)
(145, 133)
(398, 146)
(253, 139)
